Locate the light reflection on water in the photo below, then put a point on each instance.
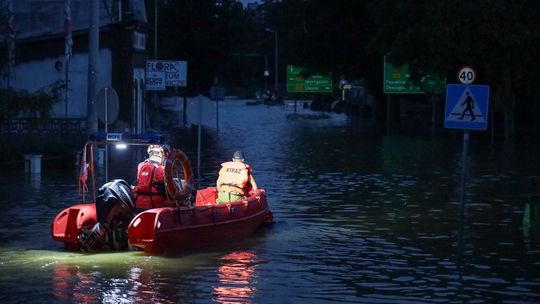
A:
(361, 218)
(236, 277)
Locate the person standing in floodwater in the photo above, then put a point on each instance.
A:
(469, 105)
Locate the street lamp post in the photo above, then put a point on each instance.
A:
(275, 59)
(266, 73)
(155, 29)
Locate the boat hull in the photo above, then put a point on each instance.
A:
(69, 223)
(169, 230)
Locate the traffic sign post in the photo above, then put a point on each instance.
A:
(175, 71)
(396, 80)
(107, 106)
(312, 84)
(466, 75)
(217, 93)
(467, 108)
(155, 81)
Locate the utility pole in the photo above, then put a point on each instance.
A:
(266, 74)
(154, 94)
(275, 58)
(93, 52)
(155, 29)
(276, 62)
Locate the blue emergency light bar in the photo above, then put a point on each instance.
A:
(147, 138)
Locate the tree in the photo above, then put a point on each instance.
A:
(499, 38)
(35, 105)
(4, 37)
(205, 33)
(323, 35)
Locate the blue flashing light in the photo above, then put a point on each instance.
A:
(147, 138)
(97, 137)
(152, 138)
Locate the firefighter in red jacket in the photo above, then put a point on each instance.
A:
(235, 180)
(148, 193)
(150, 189)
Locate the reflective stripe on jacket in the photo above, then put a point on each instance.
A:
(233, 178)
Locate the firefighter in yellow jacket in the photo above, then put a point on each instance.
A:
(235, 181)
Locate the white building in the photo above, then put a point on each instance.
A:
(40, 54)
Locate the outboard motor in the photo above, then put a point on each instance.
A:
(115, 208)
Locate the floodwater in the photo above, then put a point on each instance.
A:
(361, 217)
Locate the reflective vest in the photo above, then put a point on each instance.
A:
(234, 177)
(150, 189)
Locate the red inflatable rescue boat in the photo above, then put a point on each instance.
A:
(197, 221)
(170, 229)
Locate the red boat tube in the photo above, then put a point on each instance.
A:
(169, 229)
(68, 224)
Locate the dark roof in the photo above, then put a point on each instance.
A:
(40, 18)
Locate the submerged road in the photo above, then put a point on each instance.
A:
(361, 217)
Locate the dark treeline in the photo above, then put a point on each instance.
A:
(499, 38)
(224, 42)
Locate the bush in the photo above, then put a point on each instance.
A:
(16, 103)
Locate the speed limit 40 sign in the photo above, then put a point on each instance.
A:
(466, 75)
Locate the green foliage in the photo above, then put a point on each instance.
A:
(4, 38)
(205, 33)
(39, 104)
(327, 36)
(499, 38)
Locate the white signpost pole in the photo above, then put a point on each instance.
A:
(199, 103)
(106, 130)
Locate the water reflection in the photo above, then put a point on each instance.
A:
(71, 284)
(117, 284)
(531, 219)
(34, 180)
(361, 218)
(147, 286)
(132, 278)
(236, 277)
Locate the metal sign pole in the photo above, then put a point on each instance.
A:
(177, 101)
(467, 108)
(106, 130)
(217, 115)
(463, 177)
(461, 221)
(67, 89)
(387, 114)
(199, 139)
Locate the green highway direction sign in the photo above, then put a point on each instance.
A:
(313, 84)
(396, 81)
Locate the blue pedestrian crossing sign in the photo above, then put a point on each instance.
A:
(467, 106)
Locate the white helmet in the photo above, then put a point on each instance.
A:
(156, 153)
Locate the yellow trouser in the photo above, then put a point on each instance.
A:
(225, 197)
